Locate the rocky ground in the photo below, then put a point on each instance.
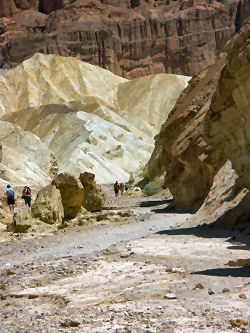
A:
(135, 274)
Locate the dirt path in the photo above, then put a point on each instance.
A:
(85, 240)
(148, 218)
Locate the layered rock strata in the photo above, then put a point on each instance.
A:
(130, 38)
(86, 118)
(204, 145)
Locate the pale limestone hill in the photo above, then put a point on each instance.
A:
(24, 157)
(89, 118)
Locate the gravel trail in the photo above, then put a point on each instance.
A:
(84, 240)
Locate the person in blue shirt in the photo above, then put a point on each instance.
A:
(10, 195)
(126, 186)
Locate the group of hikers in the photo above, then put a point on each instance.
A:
(10, 195)
(120, 188)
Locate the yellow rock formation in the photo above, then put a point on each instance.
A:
(91, 119)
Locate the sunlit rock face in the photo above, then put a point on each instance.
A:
(204, 145)
(24, 157)
(131, 38)
(86, 117)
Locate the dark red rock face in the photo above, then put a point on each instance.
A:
(131, 38)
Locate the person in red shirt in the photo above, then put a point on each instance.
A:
(116, 188)
(122, 188)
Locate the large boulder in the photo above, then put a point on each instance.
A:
(48, 205)
(204, 145)
(71, 191)
(94, 198)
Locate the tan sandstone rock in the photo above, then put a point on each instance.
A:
(204, 145)
(48, 205)
(94, 198)
(239, 322)
(22, 220)
(72, 193)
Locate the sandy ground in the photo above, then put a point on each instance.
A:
(134, 275)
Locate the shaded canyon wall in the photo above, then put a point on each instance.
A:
(204, 145)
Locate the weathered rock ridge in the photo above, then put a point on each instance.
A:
(71, 116)
(130, 38)
(204, 145)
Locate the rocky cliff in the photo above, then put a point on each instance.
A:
(204, 145)
(79, 117)
(131, 38)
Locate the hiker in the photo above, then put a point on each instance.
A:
(122, 188)
(126, 186)
(10, 195)
(27, 195)
(116, 188)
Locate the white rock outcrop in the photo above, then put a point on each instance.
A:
(24, 157)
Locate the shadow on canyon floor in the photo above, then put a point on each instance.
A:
(217, 231)
(234, 272)
(153, 203)
(239, 247)
(213, 230)
(169, 209)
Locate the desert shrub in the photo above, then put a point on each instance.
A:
(153, 187)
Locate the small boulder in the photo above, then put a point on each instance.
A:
(238, 322)
(105, 216)
(124, 254)
(225, 290)
(94, 198)
(175, 270)
(210, 291)
(127, 213)
(170, 296)
(198, 286)
(71, 192)
(48, 205)
(70, 323)
(239, 262)
(22, 220)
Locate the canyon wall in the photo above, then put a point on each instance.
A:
(130, 38)
(204, 145)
